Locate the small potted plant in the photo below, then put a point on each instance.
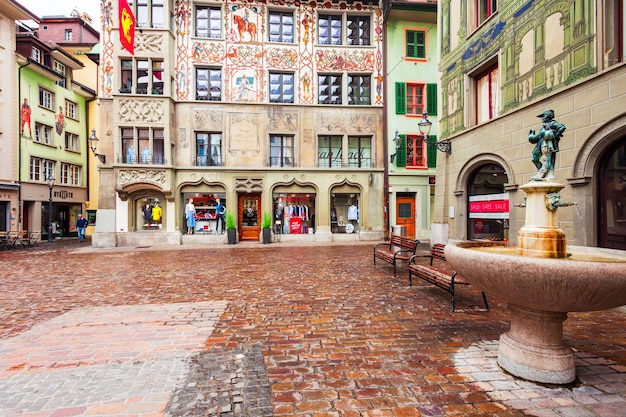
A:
(231, 227)
(266, 224)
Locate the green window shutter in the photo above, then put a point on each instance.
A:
(431, 98)
(415, 44)
(400, 98)
(401, 152)
(431, 152)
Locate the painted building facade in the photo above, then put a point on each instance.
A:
(52, 136)
(502, 65)
(261, 106)
(411, 90)
(77, 36)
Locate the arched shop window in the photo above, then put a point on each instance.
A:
(488, 204)
(149, 213)
(208, 218)
(294, 212)
(344, 211)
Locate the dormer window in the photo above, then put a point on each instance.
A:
(60, 69)
(36, 55)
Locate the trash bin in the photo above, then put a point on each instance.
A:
(398, 230)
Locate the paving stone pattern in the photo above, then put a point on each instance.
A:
(225, 382)
(155, 332)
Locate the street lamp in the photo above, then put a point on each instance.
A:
(396, 140)
(50, 181)
(424, 126)
(93, 144)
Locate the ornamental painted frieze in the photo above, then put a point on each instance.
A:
(133, 176)
(141, 111)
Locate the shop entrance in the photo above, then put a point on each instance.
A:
(249, 216)
(405, 212)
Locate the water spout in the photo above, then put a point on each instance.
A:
(553, 201)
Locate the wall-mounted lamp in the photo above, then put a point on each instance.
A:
(424, 126)
(396, 140)
(93, 144)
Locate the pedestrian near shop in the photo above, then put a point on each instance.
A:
(81, 224)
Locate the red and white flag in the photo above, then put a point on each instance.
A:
(127, 26)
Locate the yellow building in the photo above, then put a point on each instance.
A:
(265, 106)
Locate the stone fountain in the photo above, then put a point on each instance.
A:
(540, 279)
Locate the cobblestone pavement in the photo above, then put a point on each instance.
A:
(269, 330)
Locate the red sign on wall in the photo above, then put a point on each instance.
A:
(494, 206)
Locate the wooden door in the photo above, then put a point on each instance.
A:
(249, 216)
(405, 213)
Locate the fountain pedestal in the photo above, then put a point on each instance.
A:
(541, 283)
(533, 347)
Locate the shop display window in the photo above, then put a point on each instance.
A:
(344, 213)
(209, 213)
(149, 213)
(294, 213)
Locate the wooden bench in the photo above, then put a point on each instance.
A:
(438, 275)
(398, 248)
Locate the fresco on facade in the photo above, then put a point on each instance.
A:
(241, 49)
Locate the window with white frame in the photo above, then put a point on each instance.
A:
(70, 174)
(208, 84)
(67, 35)
(146, 76)
(358, 30)
(359, 89)
(281, 151)
(143, 145)
(329, 152)
(208, 22)
(149, 76)
(43, 133)
(281, 87)
(479, 11)
(71, 142)
(486, 88)
(331, 29)
(36, 55)
(360, 151)
(40, 169)
(281, 26)
(148, 13)
(46, 99)
(60, 69)
(208, 149)
(71, 110)
(330, 88)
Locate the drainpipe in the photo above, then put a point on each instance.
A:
(19, 145)
(386, 12)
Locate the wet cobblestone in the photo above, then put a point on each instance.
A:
(227, 383)
(333, 336)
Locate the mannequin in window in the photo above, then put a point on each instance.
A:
(147, 214)
(190, 215)
(157, 212)
(353, 215)
(220, 210)
(145, 155)
(130, 154)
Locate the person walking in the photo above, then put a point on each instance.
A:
(81, 223)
